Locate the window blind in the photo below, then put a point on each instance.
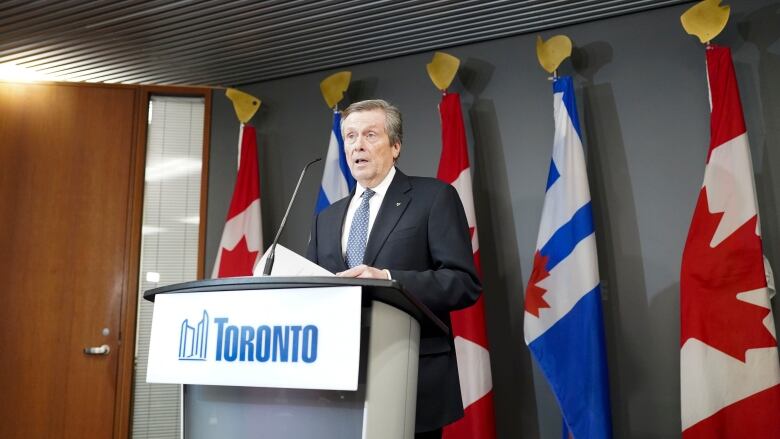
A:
(169, 244)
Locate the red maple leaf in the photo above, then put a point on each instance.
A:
(237, 262)
(533, 294)
(710, 280)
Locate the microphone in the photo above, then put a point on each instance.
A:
(269, 262)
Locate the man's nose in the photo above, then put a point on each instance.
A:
(360, 143)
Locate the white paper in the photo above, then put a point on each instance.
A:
(287, 263)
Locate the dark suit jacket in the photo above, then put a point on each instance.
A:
(421, 235)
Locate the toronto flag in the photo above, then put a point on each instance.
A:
(337, 181)
(563, 317)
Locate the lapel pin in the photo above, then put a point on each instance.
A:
(397, 204)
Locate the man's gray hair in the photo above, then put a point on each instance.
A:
(393, 121)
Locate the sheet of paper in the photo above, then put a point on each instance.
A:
(287, 263)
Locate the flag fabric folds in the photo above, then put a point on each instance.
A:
(729, 368)
(242, 238)
(563, 317)
(468, 325)
(337, 181)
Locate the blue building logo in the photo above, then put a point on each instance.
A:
(193, 339)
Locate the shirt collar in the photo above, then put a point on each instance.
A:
(381, 188)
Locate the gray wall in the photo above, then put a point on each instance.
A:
(642, 94)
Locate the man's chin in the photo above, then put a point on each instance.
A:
(363, 177)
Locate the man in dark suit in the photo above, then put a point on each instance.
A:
(411, 229)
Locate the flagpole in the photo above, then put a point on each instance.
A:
(568, 343)
(242, 234)
(337, 182)
(729, 368)
(468, 324)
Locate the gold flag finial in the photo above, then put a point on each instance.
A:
(705, 19)
(334, 86)
(442, 69)
(552, 52)
(245, 104)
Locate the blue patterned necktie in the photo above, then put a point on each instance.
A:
(358, 233)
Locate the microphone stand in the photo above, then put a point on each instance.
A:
(269, 262)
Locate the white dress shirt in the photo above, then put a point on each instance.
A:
(373, 207)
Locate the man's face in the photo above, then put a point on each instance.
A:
(367, 146)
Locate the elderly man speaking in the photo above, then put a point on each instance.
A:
(410, 229)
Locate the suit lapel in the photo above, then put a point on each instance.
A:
(393, 206)
(334, 239)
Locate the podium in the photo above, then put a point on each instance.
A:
(368, 392)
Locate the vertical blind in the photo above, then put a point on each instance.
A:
(169, 244)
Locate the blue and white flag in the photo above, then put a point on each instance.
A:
(337, 181)
(563, 318)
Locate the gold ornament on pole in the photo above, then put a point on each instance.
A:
(334, 86)
(705, 19)
(552, 52)
(245, 104)
(442, 70)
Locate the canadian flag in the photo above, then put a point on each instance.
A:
(729, 367)
(242, 238)
(468, 325)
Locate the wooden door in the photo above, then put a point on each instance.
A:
(66, 165)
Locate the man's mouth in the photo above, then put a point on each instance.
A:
(360, 161)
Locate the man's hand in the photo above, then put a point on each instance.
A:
(366, 272)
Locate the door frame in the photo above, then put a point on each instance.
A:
(129, 305)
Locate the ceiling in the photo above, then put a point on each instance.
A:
(227, 43)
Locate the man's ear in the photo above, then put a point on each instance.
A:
(396, 150)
